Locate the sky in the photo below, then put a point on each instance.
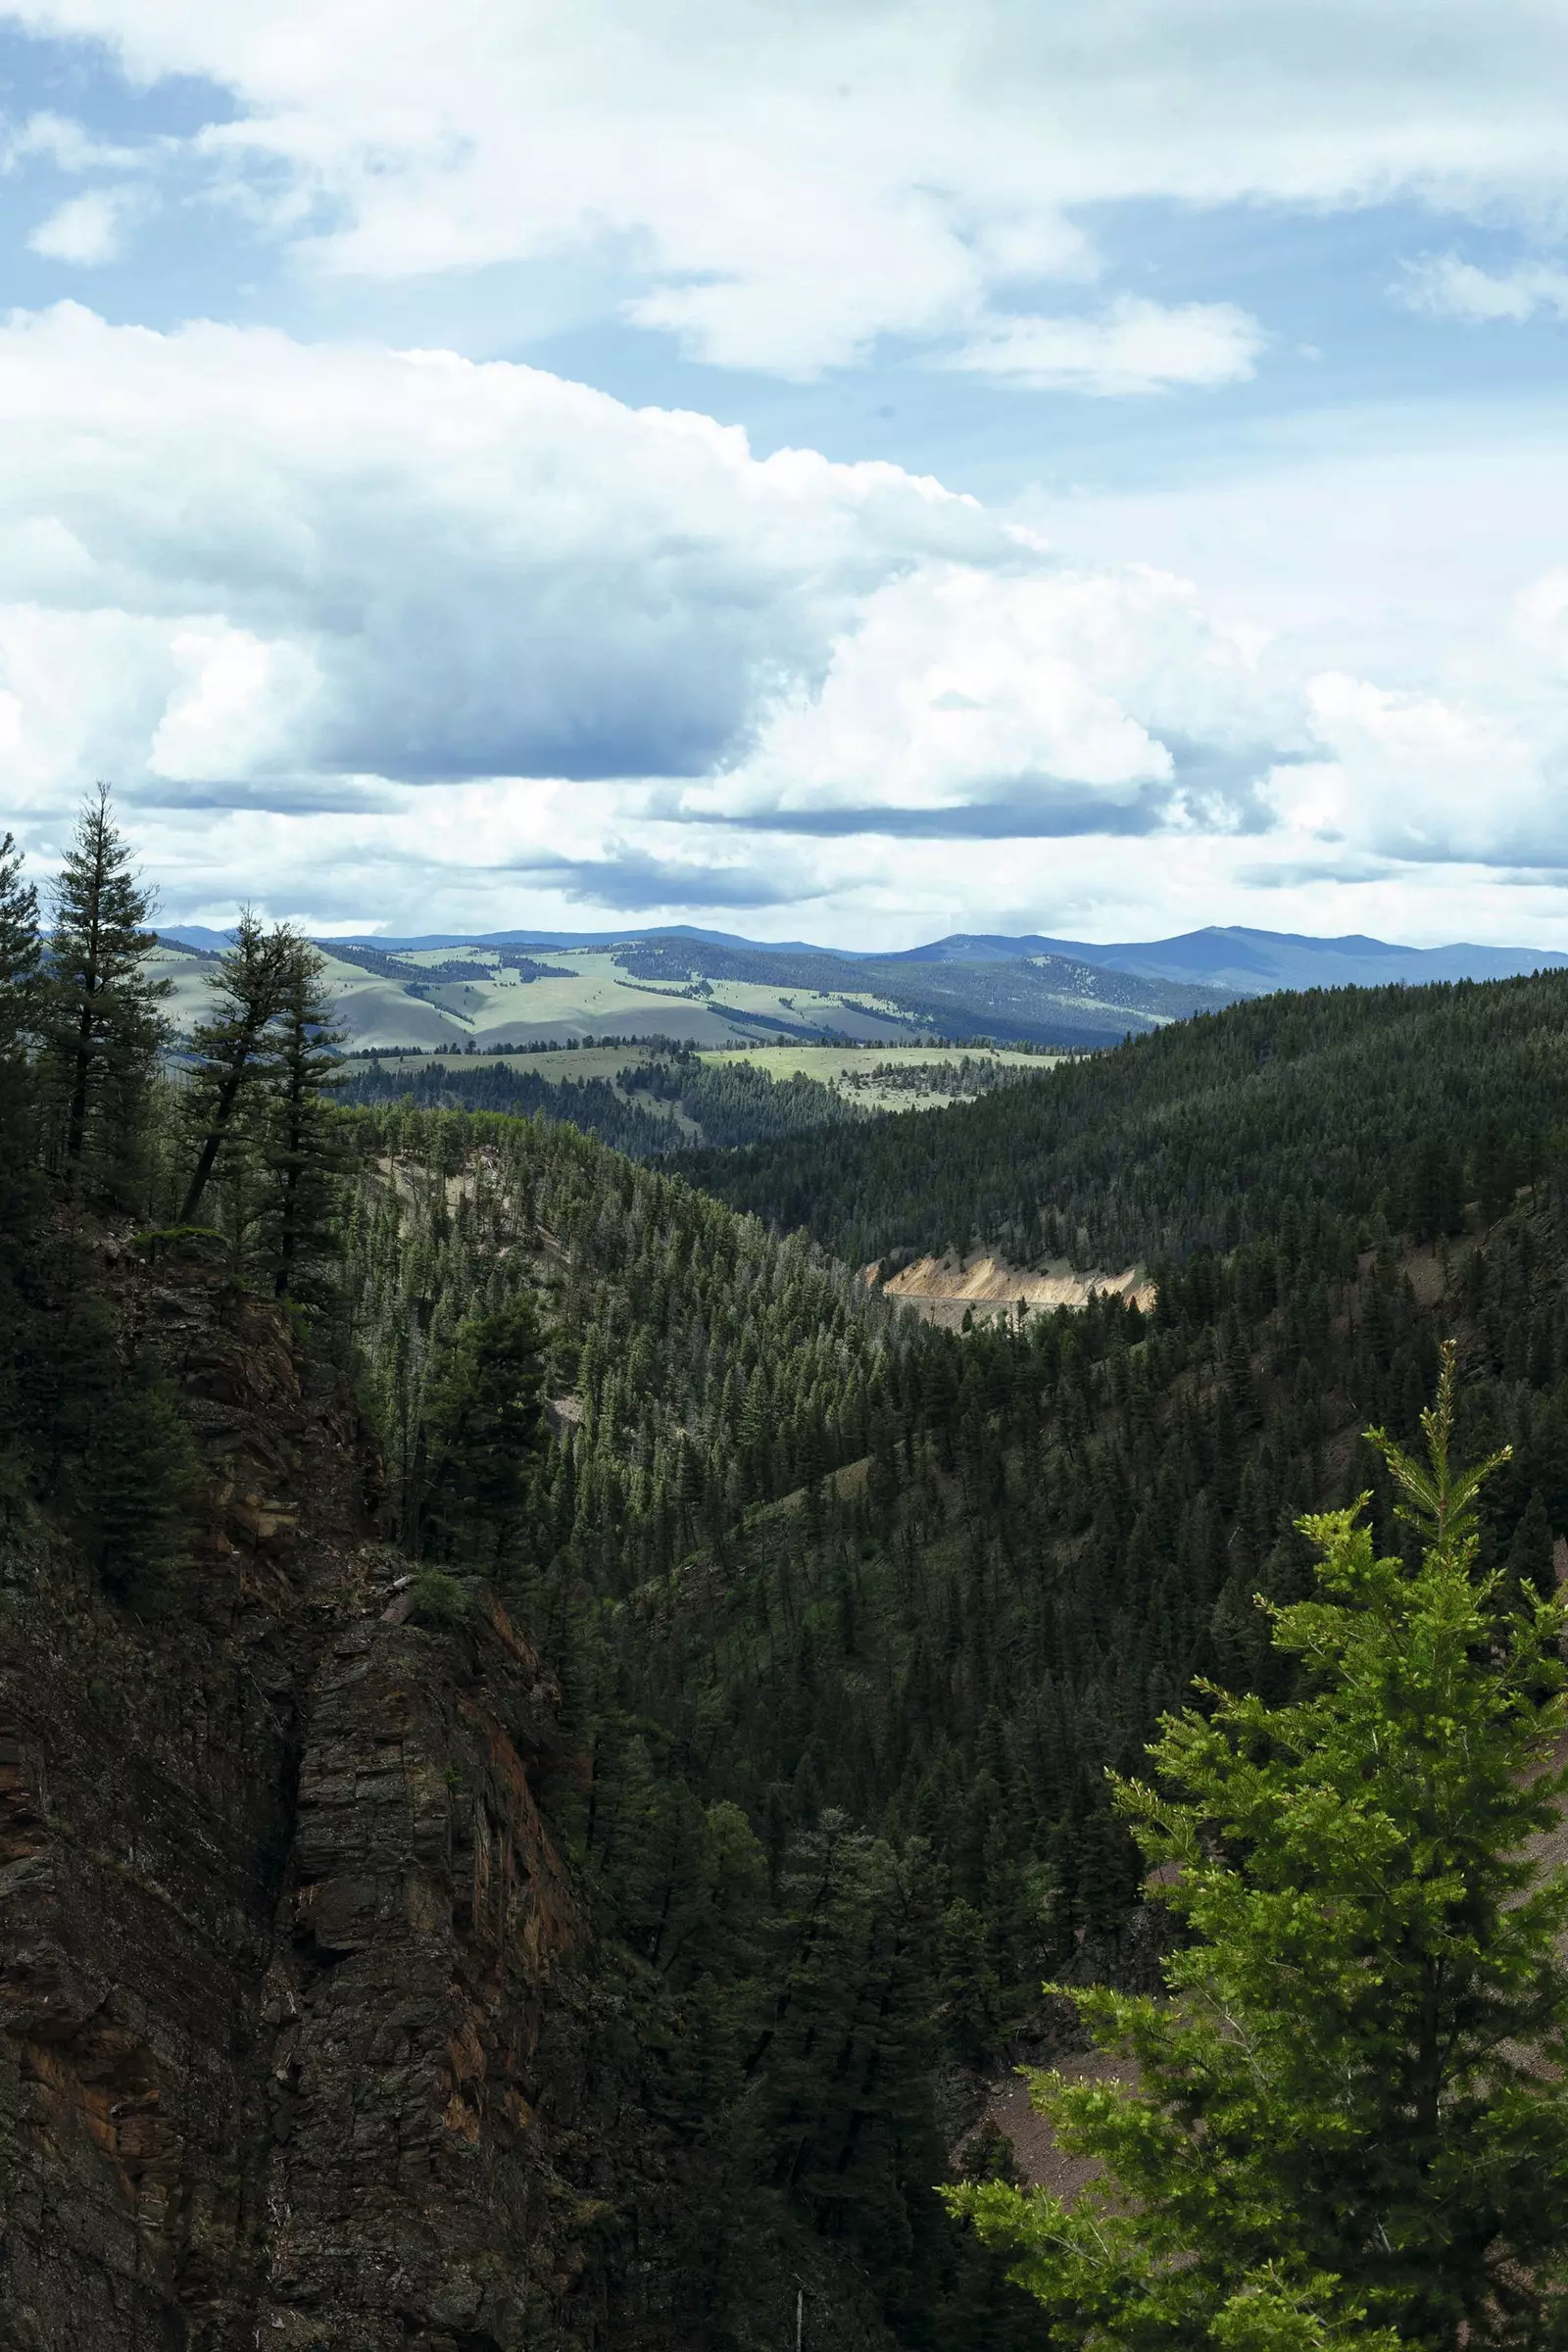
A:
(843, 469)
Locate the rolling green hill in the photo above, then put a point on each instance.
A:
(715, 995)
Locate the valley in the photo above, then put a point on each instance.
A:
(784, 1177)
(652, 1098)
(555, 1700)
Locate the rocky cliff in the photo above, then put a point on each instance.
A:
(305, 2036)
(279, 1912)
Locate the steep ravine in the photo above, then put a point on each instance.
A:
(305, 2037)
(277, 1916)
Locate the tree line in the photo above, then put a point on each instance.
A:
(1395, 1105)
(105, 1104)
(109, 1120)
(725, 1103)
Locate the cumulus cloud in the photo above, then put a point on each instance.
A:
(418, 567)
(1433, 778)
(1046, 697)
(45, 136)
(366, 634)
(1444, 287)
(1130, 346)
(786, 185)
(86, 229)
(358, 564)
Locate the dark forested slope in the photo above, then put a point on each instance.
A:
(722, 1104)
(548, 1737)
(1411, 1099)
(887, 1601)
(338, 2003)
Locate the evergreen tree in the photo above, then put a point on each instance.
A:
(1530, 1553)
(22, 1197)
(482, 1428)
(303, 1146)
(19, 1016)
(1351, 2121)
(18, 952)
(229, 1049)
(841, 2099)
(103, 1025)
(140, 1476)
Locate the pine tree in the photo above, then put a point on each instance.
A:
(227, 1049)
(103, 1024)
(22, 1199)
(1352, 2116)
(142, 1471)
(304, 1148)
(1530, 1553)
(20, 1008)
(19, 951)
(483, 1428)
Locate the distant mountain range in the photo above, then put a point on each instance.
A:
(1240, 962)
(1254, 963)
(457, 988)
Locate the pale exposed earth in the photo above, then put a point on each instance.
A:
(986, 1287)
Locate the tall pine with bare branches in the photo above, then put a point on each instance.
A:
(228, 1049)
(302, 1139)
(102, 1016)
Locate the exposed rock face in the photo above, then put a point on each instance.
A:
(424, 1908)
(944, 1290)
(277, 1919)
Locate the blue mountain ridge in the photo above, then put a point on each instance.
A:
(1232, 957)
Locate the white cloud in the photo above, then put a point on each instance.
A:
(785, 185)
(1132, 346)
(238, 710)
(1443, 286)
(59, 140)
(1041, 693)
(1541, 618)
(366, 563)
(86, 229)
(358, 632)
(1433, 778)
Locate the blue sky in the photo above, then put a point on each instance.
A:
(855, 471)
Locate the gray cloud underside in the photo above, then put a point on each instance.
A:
(1033, 819)
(1215, 787)
(282, 796)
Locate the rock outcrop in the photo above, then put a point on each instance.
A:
(279, 1913)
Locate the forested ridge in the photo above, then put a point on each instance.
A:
(1035, 1539)
(1395, 1103)
(722, 1104)
(838, 1619)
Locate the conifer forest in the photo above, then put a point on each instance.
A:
(557, 1744)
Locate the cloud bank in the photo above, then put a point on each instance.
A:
(779, 187)
(381, 636)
